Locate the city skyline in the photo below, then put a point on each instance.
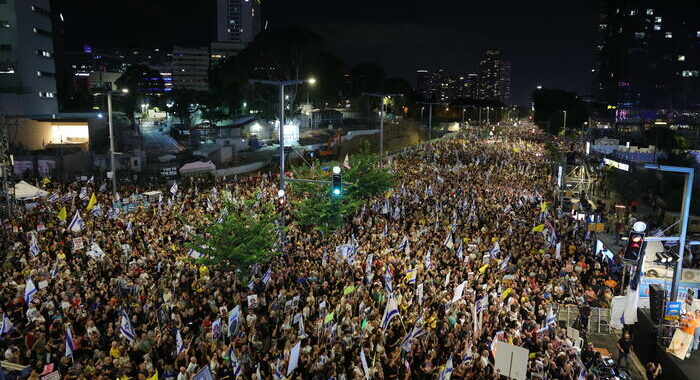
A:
(554, 47)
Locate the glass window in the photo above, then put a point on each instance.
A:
(669, 35)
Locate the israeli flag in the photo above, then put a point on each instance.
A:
(179, 343)
(427, 260)
(415, 332)
(460, 251)
(368, 267)
(77, 224)
(29, 291)
(54, 271)
(550, 318)
(91, 180)
(504, 264)
(267, 276)
(447, 372)
(481, 304)
(507, 209)
(448, 241)
(95, 251)
(173, 188)
(194, 254)
(430, 190)
(403, 244)
(69, 343)
(397, 212)
(390, 311)
(126, 328)
(387, 282)
(52, 198)
(34, 246)
(96, 210)
(6, 326)
(234, 362)
(83, 193)
(495, 250)
(67, 196)
(103, 187)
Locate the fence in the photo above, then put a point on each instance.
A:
(598, 322)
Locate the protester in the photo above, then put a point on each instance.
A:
(121, 298)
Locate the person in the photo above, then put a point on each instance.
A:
(690, 325)
(653, 371)
(624, 346)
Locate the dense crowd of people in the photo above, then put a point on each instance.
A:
(425, 281)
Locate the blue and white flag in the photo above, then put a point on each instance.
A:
(550, 319)
(103, 187)
(126, 328)
(91, 180)
(449, 243)
(507, 209)
(430, 190)
(83, 193)
(194, 254)
(234, 362)
(403, 244)
(77, 224)
(179, 343)
(67, 196)
(173, 188)
(294, 358)
(397, 212)
(427, 260)
(96, 210)
(204, 374)
(390, 311)
(29, 291)
(54, 271)
(34, 246)
(233, 317)
(504, 264)
(69, 343)
(6, 325)
(415, 332)
(52, 198)
(447, 372)
(495, 250)
(267, 276)
(460, 251)
(387, 282)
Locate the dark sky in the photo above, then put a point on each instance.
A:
(550, 42)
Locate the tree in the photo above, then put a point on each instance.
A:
(139, 80)
(185, 103)
(245, 236)
(550, 105)
(313, 204)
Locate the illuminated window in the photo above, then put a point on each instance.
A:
(650, 12)
(689, 73)
(669, 35)
(4, 24)
(657, 26)
(681, 58)
(633, 12)
(41, 11)
(657, 19)
(47, 95)
(43, 53)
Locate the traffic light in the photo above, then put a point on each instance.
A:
(635, 246)
(337, 183)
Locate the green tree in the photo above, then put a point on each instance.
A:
(313, 204)
(185, 103)
(245, 236)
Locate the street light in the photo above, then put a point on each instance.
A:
(381, 121)
(430, 117)
(113, 165)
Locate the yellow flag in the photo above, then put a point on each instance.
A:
(154, 377)
(539, 228)
(92, 202)
(506, 293)
(543, 206)
(45, 181)
(389, 193)
(62, 214)
(516, 150)
(483, 269)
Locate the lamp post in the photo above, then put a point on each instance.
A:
(381, 121)
(430, 117)
(565, 123)
(113, 165)
(689, 174)
(280, 85)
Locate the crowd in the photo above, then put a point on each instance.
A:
(423, 282)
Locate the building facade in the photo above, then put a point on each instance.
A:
(27, 68)
(237, 21)
(190, 68)
(648, 54)
(494, 77)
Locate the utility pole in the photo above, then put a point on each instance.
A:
(564, 123)
(281, 192)
(112, 159)
(430, 117)
(381, 121)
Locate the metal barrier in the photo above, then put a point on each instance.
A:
(598, 322)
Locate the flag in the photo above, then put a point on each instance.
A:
(126, 328)
(294, 358)
(329, 317)
(504, 264)
(415, 332)
(346, 162)
(538, 228)
(447, 278)
(459, 290)
(54, 271)
(69, 343)
(204, 374)
(91, 180)
(194, 254)
(83, 193)
(103, 187)
(179, 343)
(216, 329)
(92, 202)
(430, 190)
(267, 276)
(460, 251)
(6, 325)
(550, 318)
(495, 250)
(363, 360)
(368, 267)
(419, 293)
(507, 209)
(62, 214)
(67, 196)
(411, 276)
(387, 282)
(154, 377)
(52, 198)
(77, 224)
(390, 311)
(427, 260)
(173, 188)
(34, 246)
(448, 240)
(447, 372)
(234, 362)
(95, 251)
(29, 291)
(403, 244)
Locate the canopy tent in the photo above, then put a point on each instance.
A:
(24, 191)
(197, 167)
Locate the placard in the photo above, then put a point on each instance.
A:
(511, 361)
(252, 301)
(52, 376)
(78, 243)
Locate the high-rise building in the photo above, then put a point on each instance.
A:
(190, 68)
(469, 86)
(424, 85)
(27, 69)
(237, 21)
(494, 77)
(648, 54)
(438, 85)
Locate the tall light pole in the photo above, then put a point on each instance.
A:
(112, 159)
(430, 117)
(689, 174)
(381, 121)
(488, 115)
(565, 123)
(280, 85)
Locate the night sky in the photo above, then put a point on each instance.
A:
(550, 42)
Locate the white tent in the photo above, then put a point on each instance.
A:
(24, 191)
(197, 167)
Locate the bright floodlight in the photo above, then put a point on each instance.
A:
(280, 193)
(336, 169)
(639, 226)
(336, 191)
(125, 90)
(311, 80)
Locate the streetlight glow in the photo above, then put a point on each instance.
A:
(336, 169)
(311, 81)
(125, 90)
